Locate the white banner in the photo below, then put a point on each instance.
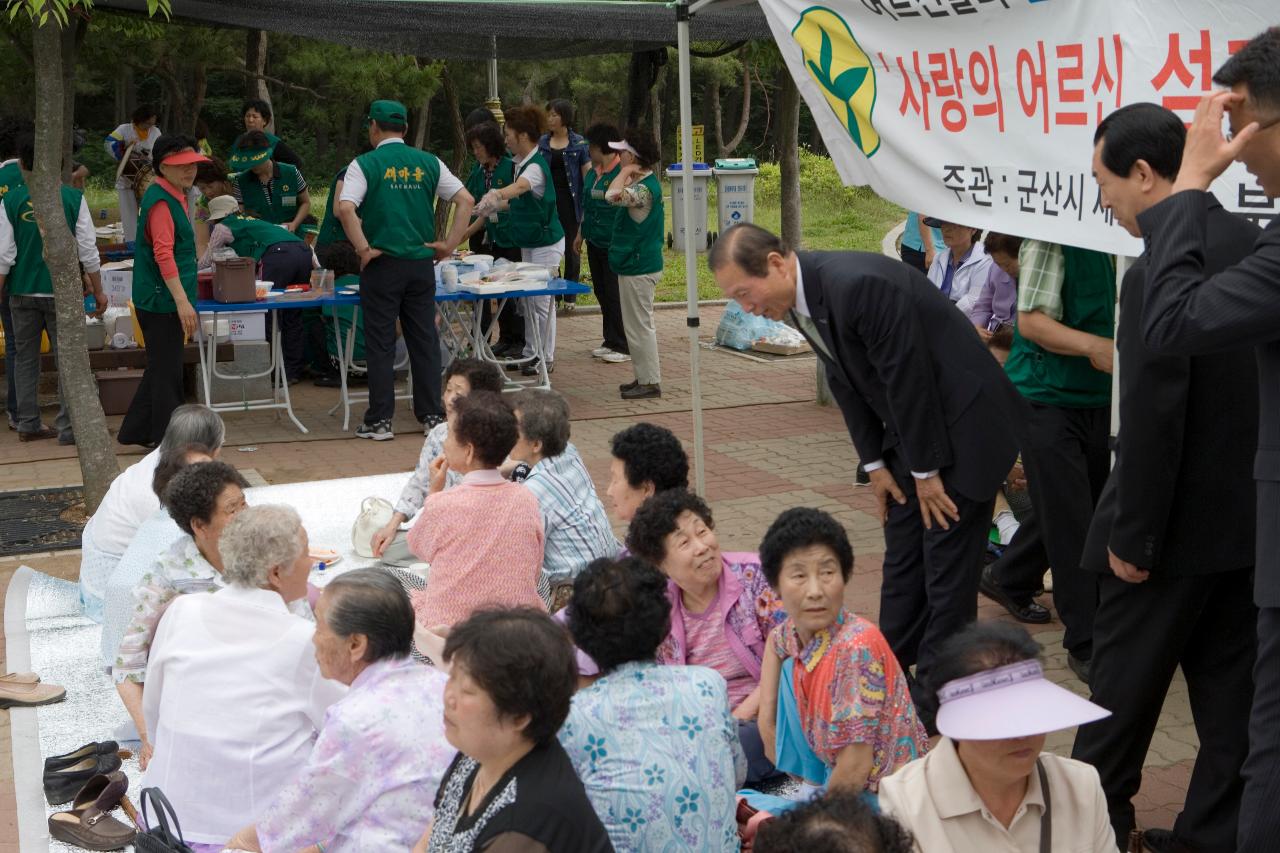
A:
(983, 111)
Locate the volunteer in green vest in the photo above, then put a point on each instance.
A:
(27, 285)
(330, 224)
(388, 213)
(598, 218)
(164, 288)
(1061, 363)
(283, 259)
(635, 254)
(489, 234)
(534, 226)
(10, 174)
(257, 116)
(276, 192)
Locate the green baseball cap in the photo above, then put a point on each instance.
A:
(244, 158)
(388, 112)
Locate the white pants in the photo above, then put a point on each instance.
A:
(128, 212)
(540, 311)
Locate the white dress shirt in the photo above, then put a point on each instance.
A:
(354, 185)
(233, 700)
(128, 502)
(932, 797)
(86, 243)
(802, 308)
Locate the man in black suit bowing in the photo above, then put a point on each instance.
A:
(1169, 595)
(929, 410)
(1191, 310)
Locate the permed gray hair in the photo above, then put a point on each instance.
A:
(544, 417)
(258, 539)
(193, 423)
(372, 602)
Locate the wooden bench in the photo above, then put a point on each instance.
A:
(136, 358)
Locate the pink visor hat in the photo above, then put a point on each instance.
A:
(184, 158)
(1008, 702)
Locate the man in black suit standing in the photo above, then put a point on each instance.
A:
(929, 411)
(1168, 594)
(1191, 310)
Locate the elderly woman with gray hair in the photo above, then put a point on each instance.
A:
(234, 695)
(130, 501)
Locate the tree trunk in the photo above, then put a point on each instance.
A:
(713, 116)
(255, 62)
(454, 107)
(727, 149)
(72, 38)
(98, 464)
(421, 119)
(200, 85)
(789, 157)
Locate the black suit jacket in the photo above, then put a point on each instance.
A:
(1180, 499)
(909, 371)
(1189, 311)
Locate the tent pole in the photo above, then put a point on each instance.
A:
(690, 250)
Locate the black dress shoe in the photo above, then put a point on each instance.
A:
(57, 762)
(627, 386)
(61, 785)
(1030, 612)
(1083, 670)
(642, 392)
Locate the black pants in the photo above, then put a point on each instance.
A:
(403, 289)
(11, 387)
(1020, 569)
(1067, 461)
(1260, 808)
(1141, 634)
(568, 216)
(285, 264)
(510, 323)
(604, 281)
(929, 589)
(160, 391)
(913, 258)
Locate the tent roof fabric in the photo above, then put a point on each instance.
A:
(534, 29)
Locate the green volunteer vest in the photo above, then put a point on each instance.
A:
(534, 221)
(598, 216)
(1089, 305)
(330, 227)
(637, 246)
(398, 212)
(282, 203)
(503, 176)
(252, 237)
(29, 274)
(149, 290)
(10, 177)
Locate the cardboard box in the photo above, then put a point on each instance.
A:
(776, 349)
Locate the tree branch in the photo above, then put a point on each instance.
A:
(293, 87)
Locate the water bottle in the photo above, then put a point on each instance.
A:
(90, 304)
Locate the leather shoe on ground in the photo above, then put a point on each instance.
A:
(1164, 841)
(102, 792)
(88, 825)
(1082, 669)
(40, 434)
(19, 678)
(531, 369)
(57, 762)
(61, 785)
(642, 392)
(17, 694)
(1030, 612)
(627, 386)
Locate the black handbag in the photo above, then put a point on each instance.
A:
(159, 838)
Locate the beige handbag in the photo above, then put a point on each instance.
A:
(374, 515)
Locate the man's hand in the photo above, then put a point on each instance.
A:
(1127, 572)
(983, 333)
(367, 255)
(1206, 154)
(1017, 478)
(100, 302)
(577, 244)
(439, 469)
(442, 250)
(1102, 355)
(935, 504)
(883, 485)
(291, 227)
(187, 316)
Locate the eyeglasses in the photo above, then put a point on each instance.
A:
(1230, 134)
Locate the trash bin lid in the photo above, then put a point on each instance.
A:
(737, 164)
(678, 168)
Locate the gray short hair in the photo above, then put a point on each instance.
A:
(257, 540)
(372, 602)
(544, 417)
(193, 423)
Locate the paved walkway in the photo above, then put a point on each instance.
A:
(769, 446)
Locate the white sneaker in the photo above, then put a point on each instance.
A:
(600, 352)
(615, 357)
(1047, 582)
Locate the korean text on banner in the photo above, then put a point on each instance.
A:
(983, 111)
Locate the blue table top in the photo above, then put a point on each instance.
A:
(554, 287)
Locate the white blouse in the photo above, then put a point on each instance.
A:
(233, 700)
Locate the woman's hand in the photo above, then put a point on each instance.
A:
(439, 469)
(577, 243)
(144, 753)
(749, 707)
(187, 316)
(853, 767)
(382, 536)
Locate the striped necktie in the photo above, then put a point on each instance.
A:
(810, 329)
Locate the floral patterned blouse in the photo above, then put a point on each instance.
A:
(850, 689)
(659, 755)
